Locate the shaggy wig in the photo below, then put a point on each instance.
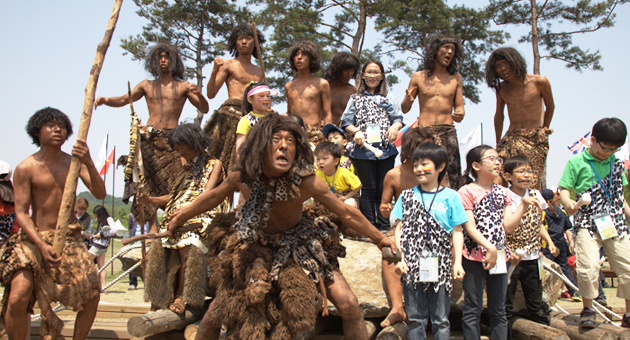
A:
(191, 135)
(309, 49)
(43, 116)
(381, 88)
(176, 65)
(412, 139)
(246, 106)
(430, 53)
(252, 152)
(297, 119)
(513, 58)
(342, 61)
(247, 30)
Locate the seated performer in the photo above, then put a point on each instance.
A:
(31, 270)
(272, 247)
(237, 74)
(165, 96)
(524, 95)
(177, 266)
(308, 96)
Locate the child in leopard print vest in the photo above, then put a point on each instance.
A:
(524, 243)
(597, 174)
(430, 239)
(490, 218)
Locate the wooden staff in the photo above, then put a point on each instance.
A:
(262, 66)
(69, 191)
(139, 186)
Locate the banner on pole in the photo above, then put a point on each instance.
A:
(108, 161)
(102, 154)
(470, 141)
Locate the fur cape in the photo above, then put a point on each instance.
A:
(222, 130)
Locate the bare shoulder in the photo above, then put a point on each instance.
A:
(24, 168)
(323, 83)
(419, 75)
(540, 80)
(288, 85)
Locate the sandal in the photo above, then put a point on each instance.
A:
(177, 306)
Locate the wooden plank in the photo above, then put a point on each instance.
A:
(523, 329)
(575, 332)
(163, 321)
(110, 332)
(115, 308)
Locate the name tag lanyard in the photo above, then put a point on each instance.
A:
(424, 252)
(607, 192)
(366, 112)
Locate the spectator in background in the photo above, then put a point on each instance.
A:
(8, 222)
(102, 237)
(85, 219)
(134, 229)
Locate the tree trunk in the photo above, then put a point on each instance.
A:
(199, 62)
(535, 37)
(163, 321)
(397, 331)
(523, 329)
(357, 40)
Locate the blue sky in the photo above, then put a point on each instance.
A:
(50, 47)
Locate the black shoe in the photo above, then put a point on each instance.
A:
(602, 302)
(605, 284)
(587, 318)
(625, 321)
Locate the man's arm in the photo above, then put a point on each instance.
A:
(388, 193)
(499, 116)
(196, 98)
(325, 96)
(548, 100)
(217, 77)
(22, 194)
(89, 175)
(137, 93)
(157, 200)
(410, 94)
(458, 101)
(287, 90)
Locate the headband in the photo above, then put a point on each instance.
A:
(260, 89)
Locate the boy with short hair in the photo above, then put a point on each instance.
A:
(524, 243)
(336, 135)
(597, 173)
(340, 181)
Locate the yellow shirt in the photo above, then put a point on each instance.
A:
(244, 125)
(341, 181)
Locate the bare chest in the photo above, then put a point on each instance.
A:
(433, 87)
(164, 94)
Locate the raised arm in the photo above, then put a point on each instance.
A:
(410, 94)
(196, 98)
(287, 90)
(217, 77)
(458, 101)
(548, 100)
(137, 93)
(499, 116)
(89, 175)
(325, 96)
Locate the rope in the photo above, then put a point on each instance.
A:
(595, 303)
(122, 275)
(121, 252)
(58, 308)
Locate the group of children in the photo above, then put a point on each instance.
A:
(489, 236)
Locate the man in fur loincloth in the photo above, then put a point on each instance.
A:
(441, 105)
(165, 96)
(176, 273)
(524, 95)
(236, 73)
(271, 258)
(31, 270)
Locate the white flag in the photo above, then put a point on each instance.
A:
(102, 155)
(470, 141)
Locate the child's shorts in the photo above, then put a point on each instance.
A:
(96, 251)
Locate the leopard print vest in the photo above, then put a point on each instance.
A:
(367, 112)
(489, 221)
(252, 119)
(527, 235)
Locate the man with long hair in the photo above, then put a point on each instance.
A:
(165, 96)
(439, 87)
(237, 74)
(343, 67)
(275, 256)
(524, 95)
(308, 96)
(31, 269)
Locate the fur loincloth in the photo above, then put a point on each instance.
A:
(534, 144)
(161, 276)
(315, 134)
(161, 164)
(222, 130)
(261, 292)
(446, 136)
(73, 284)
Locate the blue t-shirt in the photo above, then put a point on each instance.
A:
(447, 209)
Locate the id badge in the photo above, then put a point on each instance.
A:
(500, 267)
(605, 226)
(541, 269)
(373, 134)
(429, 269)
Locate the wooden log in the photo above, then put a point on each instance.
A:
(191, 330)
(523, 329)
(162, 321)
(69, 191)
(372, 327)
(620, 332)
(320, 325)
(397, 331)
(575, 332)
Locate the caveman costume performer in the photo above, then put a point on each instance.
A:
(176, 273)
(524, 95)
(236, 73)
(271, 258)
(165, 96)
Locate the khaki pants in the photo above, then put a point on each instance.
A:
(587, 264)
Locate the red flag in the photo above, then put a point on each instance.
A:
(398, 141)
(108, 161)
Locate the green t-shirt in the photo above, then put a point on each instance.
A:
(579, 174)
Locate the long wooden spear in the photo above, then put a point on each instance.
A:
(262, 66)
(69, 191)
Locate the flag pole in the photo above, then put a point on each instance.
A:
(481, 131)
(105, 174)
(113, 187)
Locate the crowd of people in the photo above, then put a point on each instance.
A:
(322, 168)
